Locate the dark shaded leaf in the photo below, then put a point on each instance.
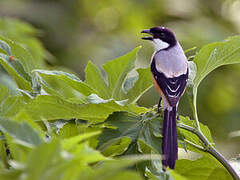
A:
(143, 130)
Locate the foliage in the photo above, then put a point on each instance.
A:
(56, 126)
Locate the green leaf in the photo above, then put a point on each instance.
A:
(126, 175)
(65, 84)
(20, 80)
(25, 36)
(4, 46)
(95, 80)
(53, 107)
(4, 92)
(20, 69)
(213, 56)
(110, 170)
(177, 176)
(3, 153)
(7, 81)
(41, 160)
(11, 106)
(141, 130)
(49, 161)
(192, 137)
(69, 143)
(117, 70)
(116, 146)
(143, 83)
(64, 128)
(204, 168)
(87, 154)
(23, 133)
(9, 174)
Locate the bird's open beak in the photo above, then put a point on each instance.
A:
(147, 31)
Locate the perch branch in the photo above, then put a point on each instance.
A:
(208, 147)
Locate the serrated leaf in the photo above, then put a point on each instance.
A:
(117, 70)
(205, 168)
(53, 107)
(137, 128)
(23, 133)
(65, 84)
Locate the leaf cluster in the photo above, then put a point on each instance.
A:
(56, 126)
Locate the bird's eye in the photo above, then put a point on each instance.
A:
(162, 34)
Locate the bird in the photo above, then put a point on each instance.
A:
(169, 67)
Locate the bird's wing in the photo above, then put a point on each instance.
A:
(172, 88)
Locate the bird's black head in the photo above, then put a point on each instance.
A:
(162, 37)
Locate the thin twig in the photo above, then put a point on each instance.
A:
(210, 149)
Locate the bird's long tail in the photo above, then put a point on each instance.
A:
(169, 132)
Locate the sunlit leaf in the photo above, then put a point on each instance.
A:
(204, 168)
(52, 107)
(213, 56)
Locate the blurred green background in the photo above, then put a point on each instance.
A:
(76, 31)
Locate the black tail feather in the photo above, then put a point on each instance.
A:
(169, 144)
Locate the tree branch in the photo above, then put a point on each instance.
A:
(210, 149)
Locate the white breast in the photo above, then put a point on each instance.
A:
(171, 62)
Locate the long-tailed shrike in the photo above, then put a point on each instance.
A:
(170, 73)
